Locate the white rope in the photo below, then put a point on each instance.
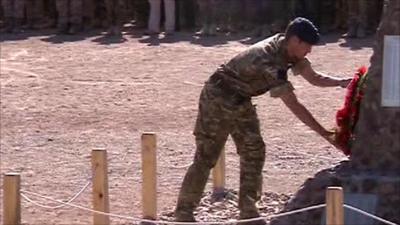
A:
(87, 209)
(63, 203)
(172, 222)
(298, 210)
(58, 206)
(369, 215)
(68, 203)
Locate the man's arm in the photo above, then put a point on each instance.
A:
(305, 116)
(322, 80)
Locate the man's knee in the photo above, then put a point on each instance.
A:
(208, 147)
(254, 148)
(207, 159)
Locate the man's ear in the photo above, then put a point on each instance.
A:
(296, 39)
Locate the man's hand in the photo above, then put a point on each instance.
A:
(344, 82)
(331, 137)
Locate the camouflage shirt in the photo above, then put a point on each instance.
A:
(263, 67)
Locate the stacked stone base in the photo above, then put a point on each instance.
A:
(385, 185)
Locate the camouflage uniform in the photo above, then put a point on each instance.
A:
(95, 15)
(364, 16)
(89, 14)
(13, 14)
(115, 15)
(253, 11)
(325, 15)
(141, 8)
(225, 108)
(70, 15)
(49, 14)
(375, 8)
(186, 13)
(281, 12)
(226, 9)
(357, 17)
(129, 10)
(340, 15)
(208, 16)
(34, 13)
(1, 16)
(320, 12)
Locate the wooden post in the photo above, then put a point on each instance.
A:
(218, 173)
(149, 176)
(334, 206)
(11, 199)
(100, 186)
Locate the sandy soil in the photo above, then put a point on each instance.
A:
(62, 96)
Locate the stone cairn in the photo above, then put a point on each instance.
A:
(373, 168)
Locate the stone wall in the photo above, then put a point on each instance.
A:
(374, 166)
(385, 187)
(377, 144)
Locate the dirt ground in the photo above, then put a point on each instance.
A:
(62, 96)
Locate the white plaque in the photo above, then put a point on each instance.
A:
(391, 71)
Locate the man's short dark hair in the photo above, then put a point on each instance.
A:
(304, 29)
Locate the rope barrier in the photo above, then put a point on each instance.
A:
(172, 222)
(63, 203)
(369, 215)
(58, 206)
(86, 209)
(68, 203)
(298, 210)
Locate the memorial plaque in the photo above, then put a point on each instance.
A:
(391, 72)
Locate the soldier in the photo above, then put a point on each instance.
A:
(340, 15)
(253, 11)
(208, 17)
(89, 14)
(230, 15)
(34, 13)
(1, 17)
(141, 8)
(375, 8)
(70, 16)
(115, 16)
(225, 108)
(49, 14)
(357, 18)
(13, 15)
(281, 13)
(325, 15)
(99, 18)
(129, 10)
(185, 14)
(155, 15)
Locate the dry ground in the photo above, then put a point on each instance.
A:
(62, 96)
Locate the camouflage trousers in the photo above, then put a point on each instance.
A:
(208, 11)
(357, 12)
(70, 11)
(115, 12)
(13, 8)
(218, 117)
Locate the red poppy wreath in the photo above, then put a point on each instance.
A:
(347, 116)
